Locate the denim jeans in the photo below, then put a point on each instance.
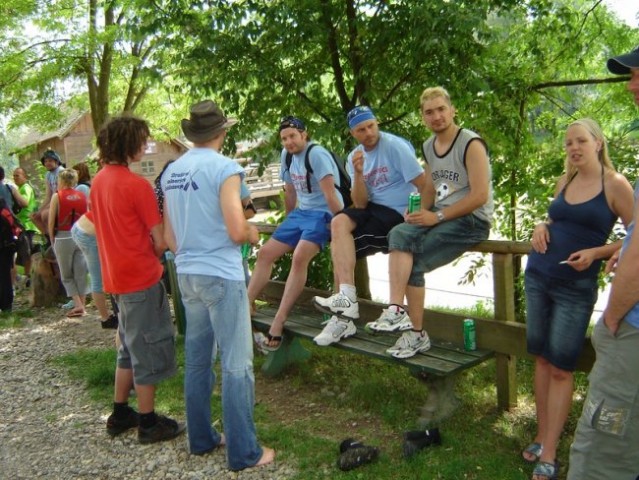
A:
(433, 247)
(89, 246)
(557, 317)
(217, 317)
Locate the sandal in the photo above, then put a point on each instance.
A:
(76, 313)
(534, 450)
(546, 471)
(266, 344)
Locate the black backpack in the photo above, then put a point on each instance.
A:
(10, 226)
(15, 208)
(344, 187)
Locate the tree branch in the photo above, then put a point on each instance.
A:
(586, 81)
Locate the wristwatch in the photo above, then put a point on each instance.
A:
(440, 216)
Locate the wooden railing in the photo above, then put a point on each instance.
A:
(266, 185)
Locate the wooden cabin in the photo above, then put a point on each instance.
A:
(75, 142)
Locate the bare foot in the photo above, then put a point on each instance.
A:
(268, 456)
(222, 440)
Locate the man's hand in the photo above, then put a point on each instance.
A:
(611, 264)
(358, 161)
(610, 324)
(425, 218)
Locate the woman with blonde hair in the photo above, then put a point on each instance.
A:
(67, 206)
(561, 278)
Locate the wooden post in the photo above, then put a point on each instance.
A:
(504, 292)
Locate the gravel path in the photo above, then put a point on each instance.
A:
(49, 428)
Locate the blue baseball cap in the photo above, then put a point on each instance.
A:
(359, 114)
(292, 122)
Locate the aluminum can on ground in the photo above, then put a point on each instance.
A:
(470, 342)
(414, 202)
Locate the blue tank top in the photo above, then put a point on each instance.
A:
(573, 228)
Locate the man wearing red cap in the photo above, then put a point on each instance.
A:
(606, 444)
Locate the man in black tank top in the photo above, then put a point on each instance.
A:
(606, 443)
(454, 215)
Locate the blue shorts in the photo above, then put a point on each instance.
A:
(557, 316)
(310, 225)
(433, 247)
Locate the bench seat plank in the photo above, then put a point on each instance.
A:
(442, 359)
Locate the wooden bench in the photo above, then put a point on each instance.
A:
(437, 368)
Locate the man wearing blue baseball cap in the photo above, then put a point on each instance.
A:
(606, 443)
(384, 172)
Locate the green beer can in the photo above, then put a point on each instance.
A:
(470, 343)
(414, 202)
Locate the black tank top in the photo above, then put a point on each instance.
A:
(574, 227)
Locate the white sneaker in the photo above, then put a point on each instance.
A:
(390, 322)
(338, 304)
(334, 331)
(260, 339)
(409, 344)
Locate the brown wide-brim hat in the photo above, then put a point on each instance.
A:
(207, 121)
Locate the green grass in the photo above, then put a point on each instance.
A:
(14, 319)
(336, 395)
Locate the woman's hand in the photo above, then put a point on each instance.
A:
(540, 238)
(582, 259)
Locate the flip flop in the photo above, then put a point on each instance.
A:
(546, 471)
(272, 338)
(534, 450)
(76, 313)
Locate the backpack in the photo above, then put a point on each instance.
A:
(344, 187)
(16, 208)
(10, 226)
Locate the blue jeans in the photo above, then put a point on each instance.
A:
(557, 317)
(217, 316)
(89, 246)
(433, 247)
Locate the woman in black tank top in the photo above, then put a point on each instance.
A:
(561, 279)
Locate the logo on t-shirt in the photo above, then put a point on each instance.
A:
(181, 181)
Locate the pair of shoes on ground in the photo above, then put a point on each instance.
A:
(354, 454)
(165, 428)
(417, 440)
(111, 322)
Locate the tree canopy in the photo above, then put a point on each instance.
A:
(518, 71)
